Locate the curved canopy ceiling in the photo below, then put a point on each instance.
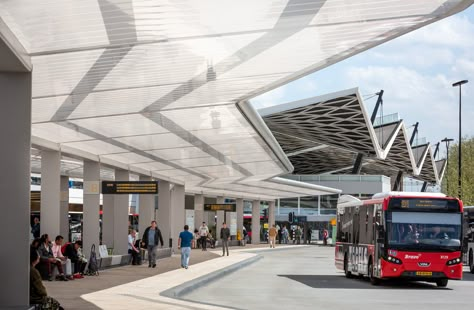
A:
(326, 134)
(153, 86)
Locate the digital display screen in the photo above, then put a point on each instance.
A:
(424, 203)
(129, 187)
(220, 207)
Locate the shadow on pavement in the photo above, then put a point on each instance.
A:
(341, 282)
(467, 276)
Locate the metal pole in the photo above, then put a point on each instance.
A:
(447, 166)
(459, 163)
(460, 137)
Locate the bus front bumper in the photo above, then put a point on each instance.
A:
(391, 270)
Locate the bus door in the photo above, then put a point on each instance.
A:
(379, 240)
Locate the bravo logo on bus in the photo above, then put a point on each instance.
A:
(411, 256)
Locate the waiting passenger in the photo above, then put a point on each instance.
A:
(131, 247)
(56, 249)
(38, 294)
(211, 240)
(48, 261)
(36, 243)
(70, 250)
(35, 229)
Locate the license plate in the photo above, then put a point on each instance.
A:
(424, 273)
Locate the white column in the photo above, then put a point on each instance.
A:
(198, 210)
(15, 138)
(256, 222)
(271, 213)
(319, 204)
(64, 208)
(220, 217)
(278, 212)
(163, 214)
(50, 193)
(91, 206)
(146, 208)
(239, 205)
(108, 216)
(299, 205)
(121, 204)
(178, 217)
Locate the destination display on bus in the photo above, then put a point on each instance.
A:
(220, 207)
(424, 203)
(129, 187)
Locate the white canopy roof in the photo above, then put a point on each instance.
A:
(159, 87)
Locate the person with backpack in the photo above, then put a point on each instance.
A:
(150, 239)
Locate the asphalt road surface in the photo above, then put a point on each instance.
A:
(305, 278)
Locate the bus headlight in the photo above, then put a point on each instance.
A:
(453, 261)
(394, 260)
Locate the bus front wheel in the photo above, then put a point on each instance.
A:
(442, 283)
(471, 261)
(372, 278)
(346, 267)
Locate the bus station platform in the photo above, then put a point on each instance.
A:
(141, 287)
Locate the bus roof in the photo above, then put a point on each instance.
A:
(351, 201)
(408, 194)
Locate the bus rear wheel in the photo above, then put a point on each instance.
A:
(442, 283)
(372, 278)
(346, 267)
(471, 261)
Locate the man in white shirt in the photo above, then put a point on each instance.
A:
(58, 242)
(203, 231)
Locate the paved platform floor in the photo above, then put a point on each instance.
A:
(138, 287)
(305, 278)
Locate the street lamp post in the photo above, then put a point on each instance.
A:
(447, 141)
(459, 83)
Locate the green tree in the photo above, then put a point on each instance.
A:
(450, 179)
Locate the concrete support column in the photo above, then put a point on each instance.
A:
(299, 203)
(271, 213)
(64, 208)
(91, 206)
(178, 217)
(220, 217)
(146, 209)
(164, 211)
(15, 138)
(198, 210)
(121, 216)
(50, 193)
(256, 222)
(278, 212)
(239, 207)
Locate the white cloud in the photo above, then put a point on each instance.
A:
(416, 96)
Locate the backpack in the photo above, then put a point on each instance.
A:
(93, 267)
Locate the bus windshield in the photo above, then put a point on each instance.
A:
(424, 231)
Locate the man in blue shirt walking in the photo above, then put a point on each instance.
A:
(184, 242)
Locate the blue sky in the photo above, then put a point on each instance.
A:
(416, 72)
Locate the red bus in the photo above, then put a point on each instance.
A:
(414, 236)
